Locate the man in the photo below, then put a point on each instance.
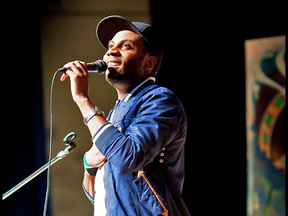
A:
(136, 163)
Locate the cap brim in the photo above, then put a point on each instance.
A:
(109, 26)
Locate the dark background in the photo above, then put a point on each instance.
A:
(204, 65)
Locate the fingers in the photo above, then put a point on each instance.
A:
(74, 68)
(64, 76)
(77, 67)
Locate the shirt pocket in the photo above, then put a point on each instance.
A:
(146, 196)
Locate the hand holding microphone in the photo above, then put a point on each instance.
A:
(79, 77)
(98, 66)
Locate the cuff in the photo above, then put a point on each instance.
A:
(103, 135)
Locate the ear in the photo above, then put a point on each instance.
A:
(150, 63)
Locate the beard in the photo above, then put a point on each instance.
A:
(126, 76)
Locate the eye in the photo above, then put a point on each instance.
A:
(126, 46)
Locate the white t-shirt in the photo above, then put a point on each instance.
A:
(99, 198)
(100, 192)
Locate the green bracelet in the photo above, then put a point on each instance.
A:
(89, 169)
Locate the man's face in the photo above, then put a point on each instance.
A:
(125, 59)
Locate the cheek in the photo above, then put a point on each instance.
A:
(133, 62)
(105, 57)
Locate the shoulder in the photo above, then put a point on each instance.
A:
(161, 99)
(163, 94)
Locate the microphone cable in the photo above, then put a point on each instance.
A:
(99, 67)
(50, 144)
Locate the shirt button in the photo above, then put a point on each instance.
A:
(161, 160)
(161, 154)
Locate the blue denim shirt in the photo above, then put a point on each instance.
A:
(148, 134)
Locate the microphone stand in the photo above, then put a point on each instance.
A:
(68, 140)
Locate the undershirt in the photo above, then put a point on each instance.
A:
(99, 187)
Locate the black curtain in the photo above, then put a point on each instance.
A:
(23, 148)
(204, 65)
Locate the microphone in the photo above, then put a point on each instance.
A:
(98, 66)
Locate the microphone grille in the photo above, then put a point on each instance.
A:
(102, 66)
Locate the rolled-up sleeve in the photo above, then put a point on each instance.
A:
(154, 125)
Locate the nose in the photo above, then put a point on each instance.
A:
(113, 51)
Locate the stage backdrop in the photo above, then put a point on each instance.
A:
(23, 149)
(265, 92)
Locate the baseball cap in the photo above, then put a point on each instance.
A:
(110, 25)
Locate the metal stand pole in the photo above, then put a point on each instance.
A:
(68, 140)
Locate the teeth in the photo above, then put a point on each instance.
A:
(113, 63)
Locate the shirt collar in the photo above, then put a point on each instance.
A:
(139, 88)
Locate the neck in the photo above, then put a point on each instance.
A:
(121, 94)
(122, 90)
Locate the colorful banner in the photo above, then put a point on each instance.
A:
(265, 101)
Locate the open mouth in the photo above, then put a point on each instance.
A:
(113, 64)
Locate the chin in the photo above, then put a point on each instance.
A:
(113, 77)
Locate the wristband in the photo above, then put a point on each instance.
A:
(95, 111)
(89, 169)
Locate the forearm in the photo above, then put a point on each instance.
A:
(88, 184)
(79, 84)
(95, 123)
(94, 156)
